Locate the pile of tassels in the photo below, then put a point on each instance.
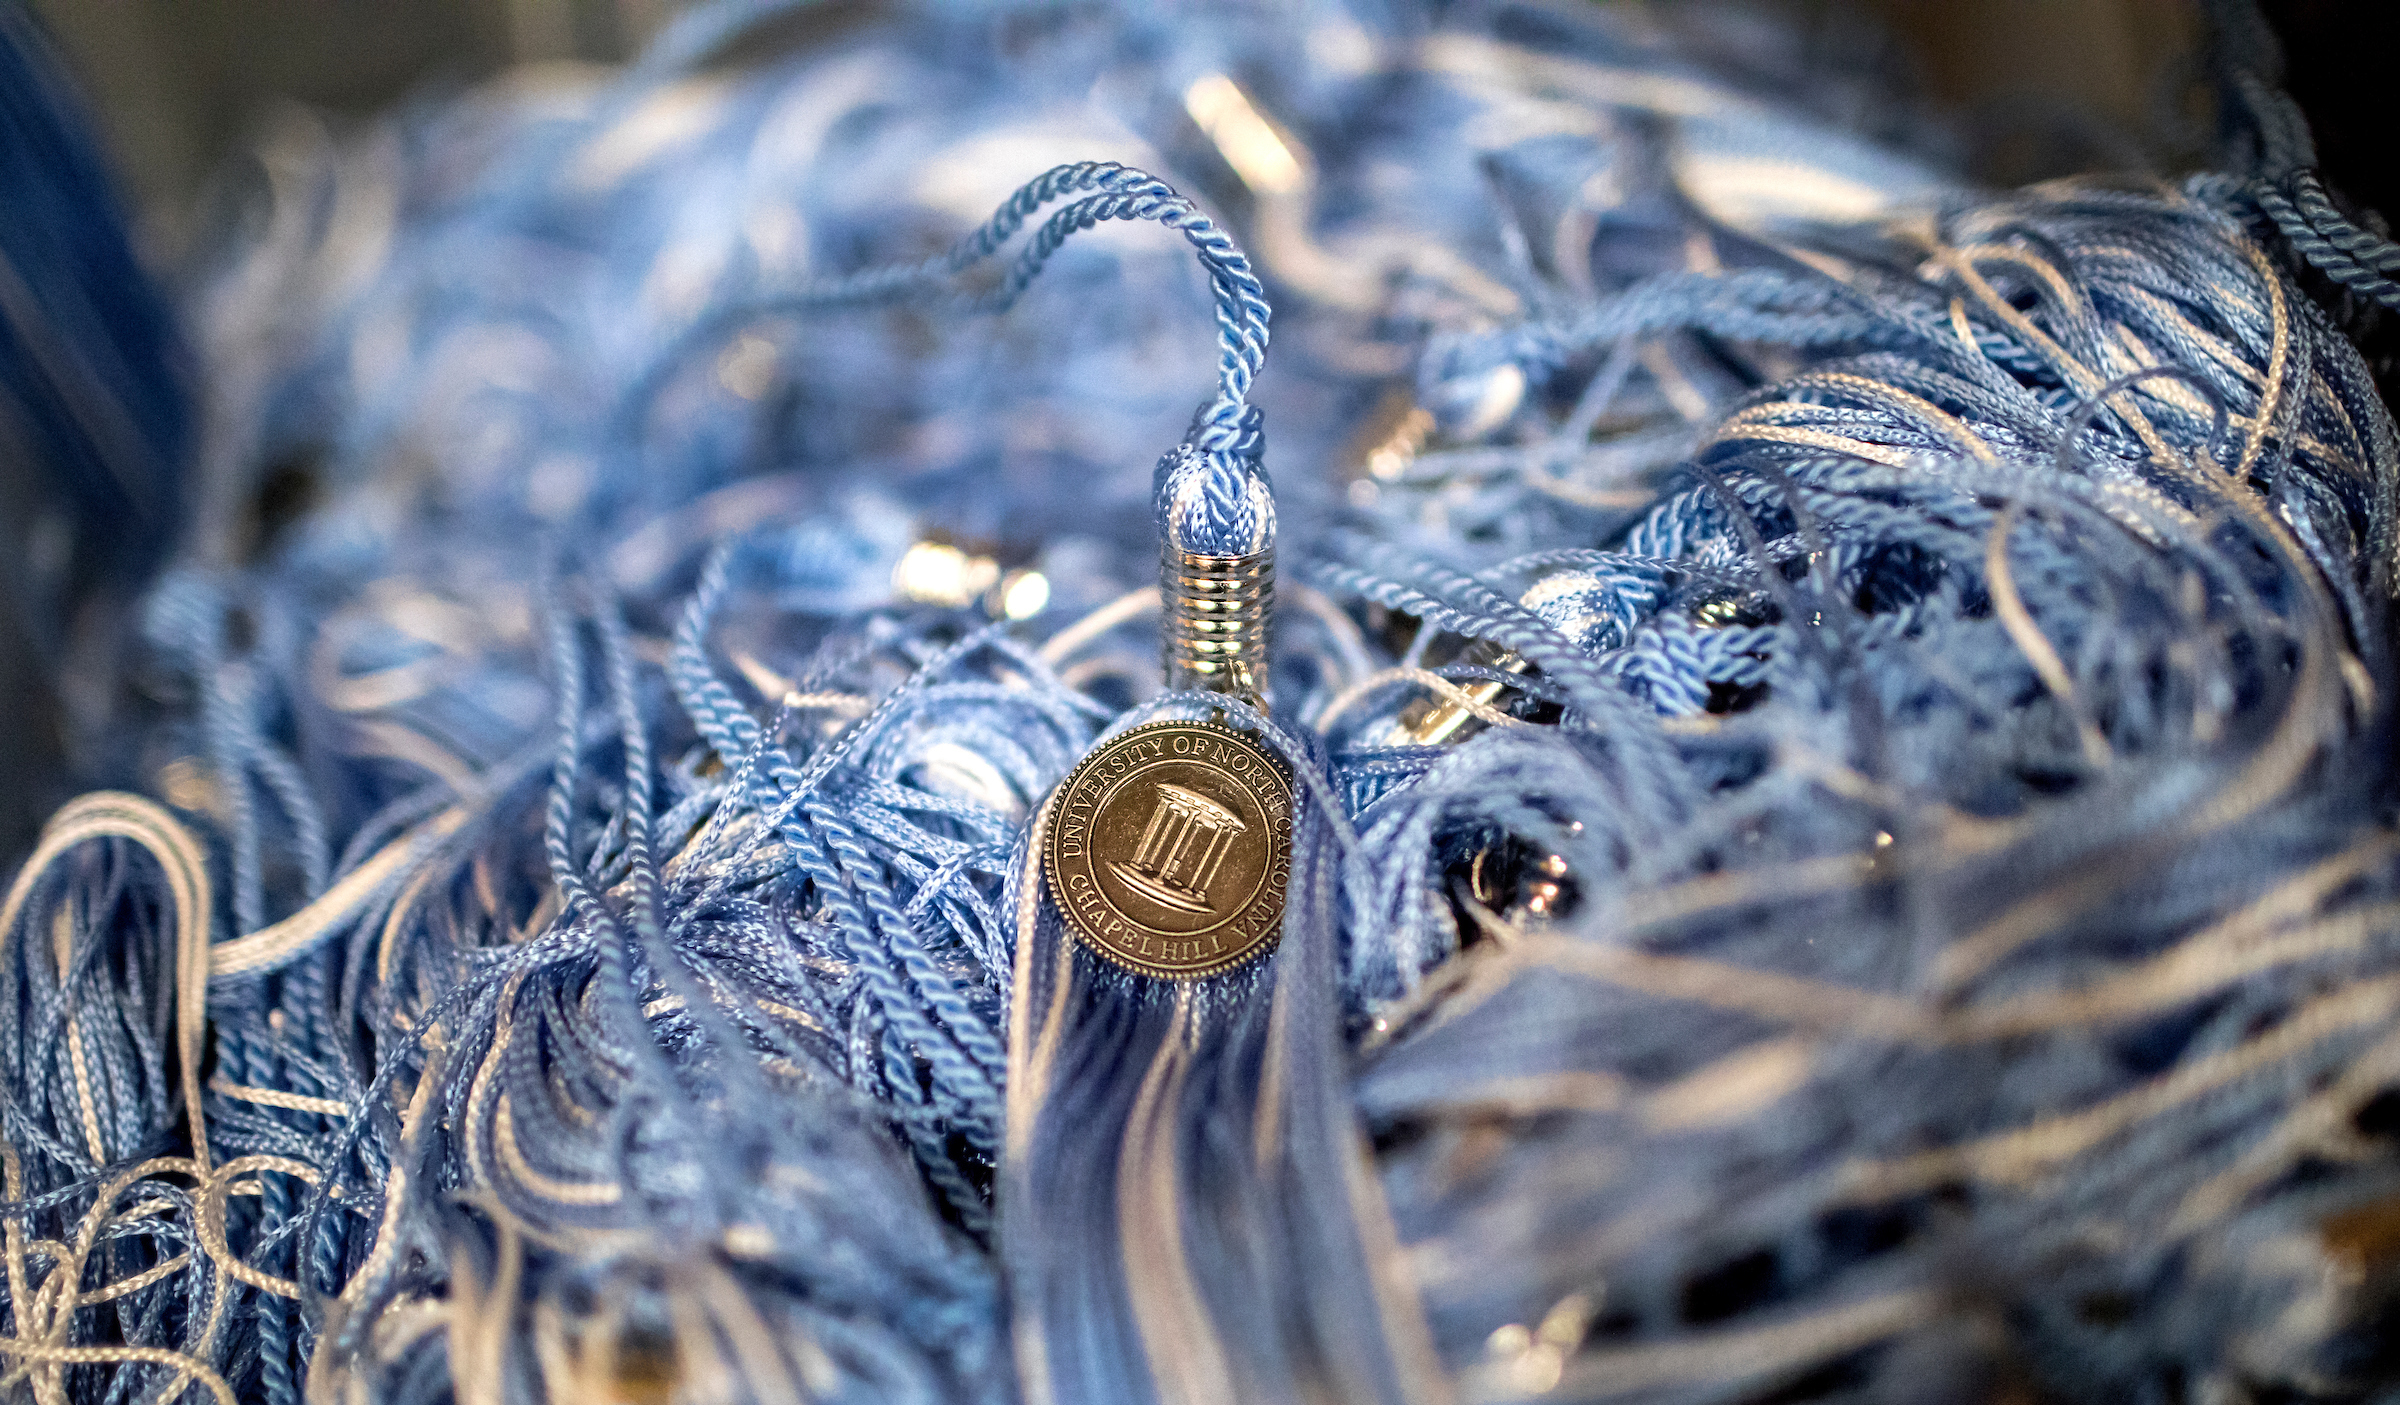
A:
(1841, 728)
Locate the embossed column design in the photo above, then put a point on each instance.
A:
(1146, 856)
(1178, 816)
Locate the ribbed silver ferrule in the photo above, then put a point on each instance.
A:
(1213, 630)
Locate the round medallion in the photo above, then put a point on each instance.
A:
(1169, 848)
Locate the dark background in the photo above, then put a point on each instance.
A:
(2339, 65)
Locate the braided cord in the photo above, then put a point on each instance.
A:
(2287, 188)
(1110, 191)
(2356, 258)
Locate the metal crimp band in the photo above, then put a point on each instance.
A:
(1213, 632)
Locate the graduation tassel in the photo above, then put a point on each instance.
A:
(1187, 1209)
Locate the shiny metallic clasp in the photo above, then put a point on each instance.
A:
(1213, 630)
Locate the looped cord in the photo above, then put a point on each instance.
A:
(108, 814)
(1211, 492)
(1109, 191)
